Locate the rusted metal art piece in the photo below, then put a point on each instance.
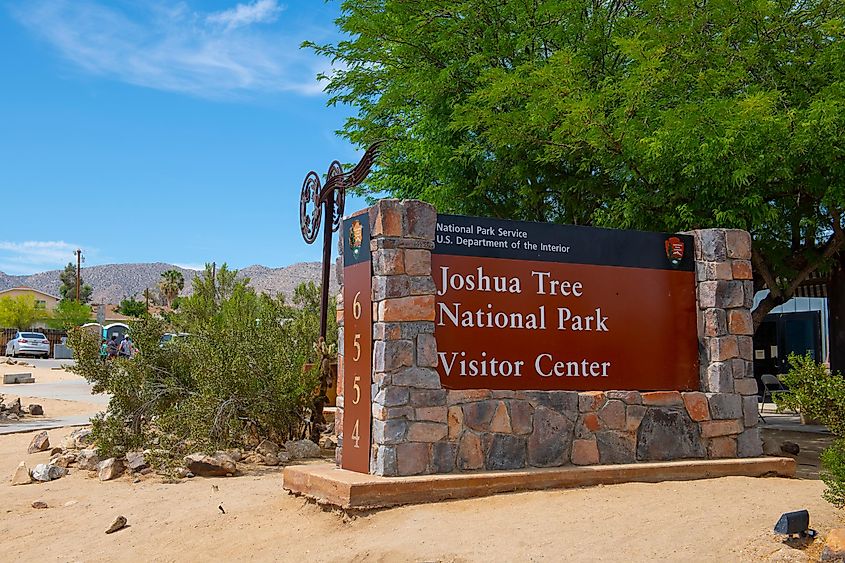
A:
(316, 200)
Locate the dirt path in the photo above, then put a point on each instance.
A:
(725, 519)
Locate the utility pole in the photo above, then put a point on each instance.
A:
(78, 271)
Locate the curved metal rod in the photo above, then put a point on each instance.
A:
(352, 178)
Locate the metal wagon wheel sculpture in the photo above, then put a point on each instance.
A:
(316, 200)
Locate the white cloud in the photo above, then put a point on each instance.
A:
(260, 11)
(28, 257)
(167, 46)
(200, 267)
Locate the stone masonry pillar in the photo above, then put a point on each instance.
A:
(725, 294)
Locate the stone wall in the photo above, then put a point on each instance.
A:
(418, 427)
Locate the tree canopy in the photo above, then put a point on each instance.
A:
(19, 312)
(69, 314)
(131, 307)
(172, 282)
(661, 115)
(67, 289)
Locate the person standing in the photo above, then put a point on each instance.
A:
(111, 348)
(125, 350)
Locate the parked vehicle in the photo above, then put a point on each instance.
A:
(28, 343)
(171, 337)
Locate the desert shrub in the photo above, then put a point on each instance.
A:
(819, 394)
(237, 377)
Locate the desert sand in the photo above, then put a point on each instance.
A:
(727, 519)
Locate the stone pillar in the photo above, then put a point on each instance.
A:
(725, 295)
(409, 408)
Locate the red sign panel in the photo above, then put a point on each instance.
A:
(563, 308)
(357, 344)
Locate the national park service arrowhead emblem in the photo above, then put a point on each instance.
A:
(674, 250)
(356, 237)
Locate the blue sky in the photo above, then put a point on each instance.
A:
(173, 131)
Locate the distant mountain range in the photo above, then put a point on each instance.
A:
(114, 282)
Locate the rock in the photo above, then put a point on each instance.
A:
(790, 448)
(21, 476)
(469, 454)
(182, 473)
(135, 461)
(55, 451)
(770, 447)
(78, 439)
(64, 460)
(253, 459)
(616, 447)
(87, 460)
(550, 444)
(834, 546)
(505, 451)
(666, 434)
(15, 407)
(36, 410)
(118, 524)
(585, 452)
(109, 469)
(210, 466)
(269, 459)
(302, 449)
(267, 447)
(40, 443)
(44, 472)
(787, 554)
(328, 442)
(235, 454)
(39, 504)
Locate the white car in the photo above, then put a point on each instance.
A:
(29, 343)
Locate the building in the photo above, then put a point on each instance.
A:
(43, 300)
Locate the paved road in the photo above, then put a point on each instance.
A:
(76, 390)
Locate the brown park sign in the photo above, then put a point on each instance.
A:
(556, 307)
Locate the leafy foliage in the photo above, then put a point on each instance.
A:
(667, 115)
(67, 289)
(236, 378)
(19, 312)
(69, 314)
(820, 395)
(131, 307)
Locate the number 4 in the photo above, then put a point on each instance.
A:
(356, 435)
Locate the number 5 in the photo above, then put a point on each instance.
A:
(357, 348)
(357, 390)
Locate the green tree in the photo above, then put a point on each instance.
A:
(131, 307)
(19, 312)
(69, 314)
(668, 115)
(67, 287)
(171, 283)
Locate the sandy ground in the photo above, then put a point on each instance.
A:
(726, 519)
(41, 374)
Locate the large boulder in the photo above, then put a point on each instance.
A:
(302, 449)
(21, 476)
(36, 410)
(64, 459)
(218, 465)
(109, 469)
(45, 472)
(87, 460)
(40, 443)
